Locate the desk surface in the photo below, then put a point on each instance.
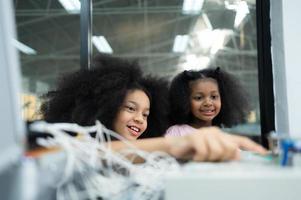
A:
(247, 179)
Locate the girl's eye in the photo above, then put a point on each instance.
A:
(130, 108)
(197, 97)
(214, 97)
(145, 115)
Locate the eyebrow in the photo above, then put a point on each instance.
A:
(136, 104)
(215, 91)
(203, 92)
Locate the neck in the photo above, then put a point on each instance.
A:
(196, 123)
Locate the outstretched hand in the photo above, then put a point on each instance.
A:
(211, 144)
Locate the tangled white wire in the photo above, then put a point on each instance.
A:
(94, 171)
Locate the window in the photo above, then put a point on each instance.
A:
(170, 36)
(165, 36)
(49, 45)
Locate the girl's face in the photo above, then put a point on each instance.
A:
(205, 101)
(131, 119)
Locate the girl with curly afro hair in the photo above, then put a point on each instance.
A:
(116, 93)
(209, 97)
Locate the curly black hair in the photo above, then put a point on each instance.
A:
(234, 99)
(97, 94)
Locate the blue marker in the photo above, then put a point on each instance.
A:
(289, 147)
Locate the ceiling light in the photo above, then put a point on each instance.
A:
(180, 43)
(219, 39)
(230, 6)
(24, 48)
(71, 6)
(192, 6)
(194, 62)
(206, 38)
(241, 12)
(102, 44)
(241, 9)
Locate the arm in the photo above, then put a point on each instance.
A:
(207, 144)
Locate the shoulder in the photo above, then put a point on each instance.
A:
(179, 130)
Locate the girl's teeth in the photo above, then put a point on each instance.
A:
(135, 129)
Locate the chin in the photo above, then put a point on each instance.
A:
(131, 137)
(206, 119)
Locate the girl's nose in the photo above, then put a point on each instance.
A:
(208, 102)
(139, 118)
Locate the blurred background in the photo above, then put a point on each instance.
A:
(166, 37)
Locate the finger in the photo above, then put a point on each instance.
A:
(248, 144)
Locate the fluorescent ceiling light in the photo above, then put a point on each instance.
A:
(180, 43)
(241, 12)
(24, 48)
(230, 6)
(219, 39)
(213, 40)
(241, 9)
(192, 6)
(102, 44)
(71, 6)
(218, 43)
(194, 62)
(206, 38)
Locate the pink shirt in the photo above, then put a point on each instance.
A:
(180, 130)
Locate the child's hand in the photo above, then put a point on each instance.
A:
(211, 144)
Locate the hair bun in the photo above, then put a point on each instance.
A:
(217, 70)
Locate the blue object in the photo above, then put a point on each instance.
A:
(288, 147)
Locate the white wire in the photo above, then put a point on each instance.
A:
(102, 171)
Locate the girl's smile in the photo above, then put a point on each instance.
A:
(134, 130)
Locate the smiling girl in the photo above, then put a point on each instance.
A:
(131, 120)
(116, 93)
(209, 97)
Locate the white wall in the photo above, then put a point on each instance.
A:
(286, 55)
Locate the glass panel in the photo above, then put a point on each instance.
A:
(213, 32)
(49, 42)
(217, 32)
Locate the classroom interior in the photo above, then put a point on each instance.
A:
(255, 40)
